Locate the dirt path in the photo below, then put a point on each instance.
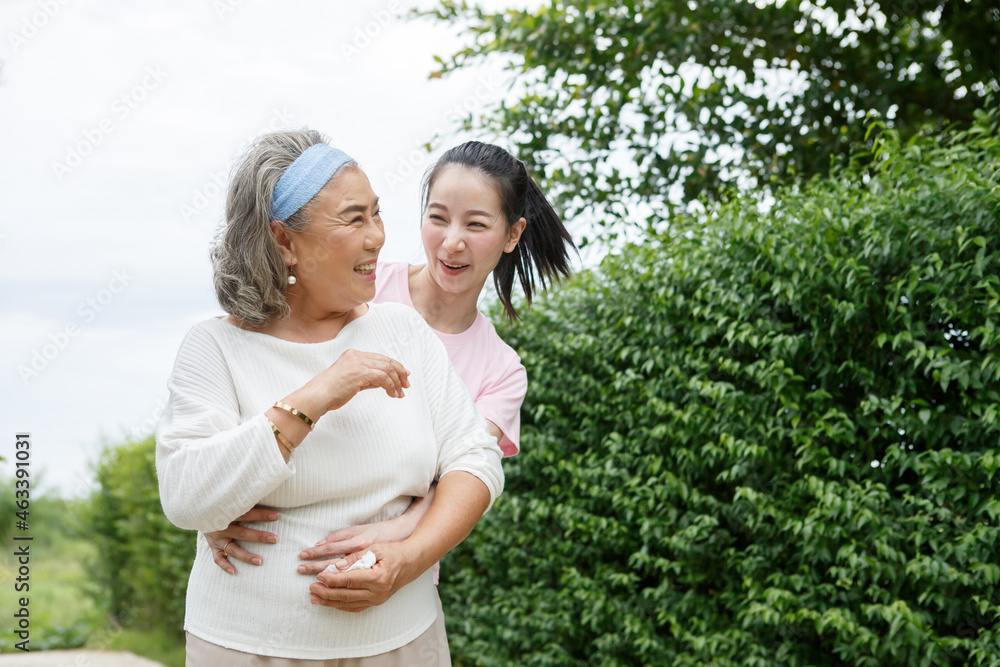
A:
(76, 659)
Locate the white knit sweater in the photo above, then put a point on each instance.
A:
(216, 458)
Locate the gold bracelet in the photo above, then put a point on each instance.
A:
(287, 408)
(281, 438)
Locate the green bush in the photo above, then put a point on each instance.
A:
(143, 560)
(768, 439)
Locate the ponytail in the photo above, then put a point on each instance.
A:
(542, 253)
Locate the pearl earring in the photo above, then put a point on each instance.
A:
(291, 278)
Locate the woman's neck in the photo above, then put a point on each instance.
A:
(446, 312)
(303, 326)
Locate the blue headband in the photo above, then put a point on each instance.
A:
(304, 178)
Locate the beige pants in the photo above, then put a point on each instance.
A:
(428, 650)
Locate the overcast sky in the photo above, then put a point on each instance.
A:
(118, 122)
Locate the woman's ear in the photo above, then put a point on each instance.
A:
(514, 235)
(280, 233)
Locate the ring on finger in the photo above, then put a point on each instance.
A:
(225, 549)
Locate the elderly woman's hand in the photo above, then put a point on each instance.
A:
(358, 590)
(355, 371)
(223, 542)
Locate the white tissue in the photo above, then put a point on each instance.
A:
(364, 563)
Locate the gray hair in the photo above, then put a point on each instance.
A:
(249, 272)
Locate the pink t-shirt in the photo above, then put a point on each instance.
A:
(489, 367)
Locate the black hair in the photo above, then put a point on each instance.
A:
(542, 253)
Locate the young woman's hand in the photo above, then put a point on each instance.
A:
(459, 501)
(223, 542)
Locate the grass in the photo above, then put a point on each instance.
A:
(62, 595)
(62, 610)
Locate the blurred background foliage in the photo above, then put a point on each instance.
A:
(144, 559)
(108, 571)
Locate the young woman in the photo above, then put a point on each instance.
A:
(482, 214)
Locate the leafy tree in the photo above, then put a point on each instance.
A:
(769, 439)
(623, 101)
(143, 560)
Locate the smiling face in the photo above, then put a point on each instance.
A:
(334, 257)
(464, 231)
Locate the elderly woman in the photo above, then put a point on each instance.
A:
(269, 406)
